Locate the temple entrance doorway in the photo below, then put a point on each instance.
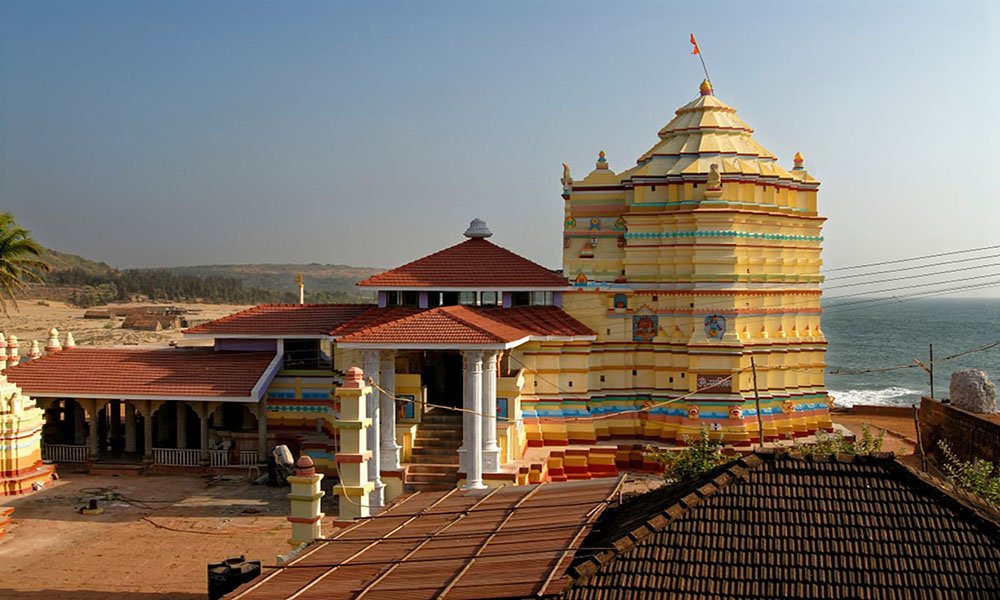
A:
(441, 372)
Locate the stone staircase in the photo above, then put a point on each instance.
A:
(434, 462)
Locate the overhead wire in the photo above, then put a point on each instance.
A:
(911, 259)
(914, 268)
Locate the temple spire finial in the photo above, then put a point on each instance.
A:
(705, 88)
(798, 160)
(602, 163)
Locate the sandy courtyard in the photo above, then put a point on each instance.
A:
(32, 321)
(155, 544)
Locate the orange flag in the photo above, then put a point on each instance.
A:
(695, 44)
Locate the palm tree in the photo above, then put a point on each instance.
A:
(20, 259)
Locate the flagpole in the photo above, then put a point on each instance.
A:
(701, 57)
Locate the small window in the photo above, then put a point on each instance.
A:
(467, 297)
(520, 298)
(682, 375)
(634, 373)
(652, 188)
(696, 186)
(541, 298)
(489, 298)
(655, 298)
(671, 380)
(571, 384)
(602, 378)
(609, 331)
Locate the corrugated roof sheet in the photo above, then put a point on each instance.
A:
(142, 372)
(508, 542)
(781, 527)
(475, 263)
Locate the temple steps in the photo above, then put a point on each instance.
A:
(434, 457)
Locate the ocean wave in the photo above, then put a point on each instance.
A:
(891, 396)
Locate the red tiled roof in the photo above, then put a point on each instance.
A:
(283, 319)
(142, 372)
(470, 325)
(475, 263)
(509, 542)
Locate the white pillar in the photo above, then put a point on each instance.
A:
(370, 365)
(491, 451)
(147, 432)
(262, 449)
(130, 427)
(472, 420)
(389, 455)
(203, 417)
(182, 440)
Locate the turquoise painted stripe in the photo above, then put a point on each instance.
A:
(722, 233)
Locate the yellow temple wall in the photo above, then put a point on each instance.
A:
(20, 442)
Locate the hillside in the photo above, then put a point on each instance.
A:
(86, 282)
(281, 277)
(63, 261)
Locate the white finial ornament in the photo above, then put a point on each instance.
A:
(35, 351)
(478, 229)
(70, 342)
(13, 349)
(3, 352)
(53, 345)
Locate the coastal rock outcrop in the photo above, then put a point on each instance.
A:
(973, 391)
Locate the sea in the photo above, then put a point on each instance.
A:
(870, 336)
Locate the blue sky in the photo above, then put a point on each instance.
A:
(173, 133)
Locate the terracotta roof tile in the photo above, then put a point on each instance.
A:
(283, 319)
(785, 527)
(141, 372)
(509, 542)
(469, 325)
(475, 263)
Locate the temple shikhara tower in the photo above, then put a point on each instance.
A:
(703, 255)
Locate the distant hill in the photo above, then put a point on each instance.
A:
(63, 261)
(281, 277)
(86, 282)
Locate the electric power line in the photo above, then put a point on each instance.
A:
(903, 260)
(937, 264)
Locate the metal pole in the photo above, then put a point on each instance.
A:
(756, 396)
(932, 371)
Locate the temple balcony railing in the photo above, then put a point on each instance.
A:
(65, 453)
(176, 457)
(225, 458)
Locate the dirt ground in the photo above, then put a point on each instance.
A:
(32, 321)
(154, 541)
(900, 432)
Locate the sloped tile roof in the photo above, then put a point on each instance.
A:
(470, 325)
(775, 526)
(283, 319)
(508, 542)
(476, 264)
(141, 372)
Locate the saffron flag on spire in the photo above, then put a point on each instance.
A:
(694, 43)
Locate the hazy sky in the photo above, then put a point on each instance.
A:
(370, 133)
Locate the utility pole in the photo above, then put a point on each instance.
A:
(932, 370)
(756, 397)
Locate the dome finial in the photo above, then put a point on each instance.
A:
(478, 229)
(705, 88)
(602, 163)
(798, 161)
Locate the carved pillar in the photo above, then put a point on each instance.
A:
(370, 365)
(130, 427)
(472, 421)
(387, 413)
(262, 449)
(354, 488)
(491, 451)
(92, 441)
(147, 431)
(182, 440)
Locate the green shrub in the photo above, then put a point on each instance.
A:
(700, 456)
(980, 477)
